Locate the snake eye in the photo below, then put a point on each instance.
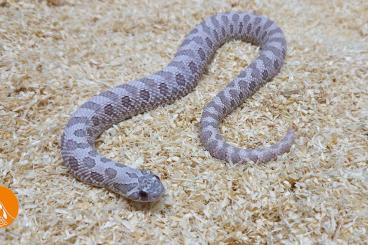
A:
(143, 194)
(158, 178)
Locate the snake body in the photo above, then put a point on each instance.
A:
(174, 81)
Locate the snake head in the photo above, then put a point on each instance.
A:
(150, 188)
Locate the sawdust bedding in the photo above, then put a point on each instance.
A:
(55, 55)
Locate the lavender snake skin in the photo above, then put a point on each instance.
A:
(174, 81)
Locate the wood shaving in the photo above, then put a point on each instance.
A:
(54, 57)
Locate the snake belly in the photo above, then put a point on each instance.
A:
(174, 81)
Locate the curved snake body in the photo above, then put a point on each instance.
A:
(176, 80)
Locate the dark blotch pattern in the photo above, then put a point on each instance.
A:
(206, 135)
(164, 90)
(235, 157)
(240, 28)
(96, 177)
(105, 159)
(145, 95)
(180, 79)
(72, 162)
(249, 28)
(252, 85)
(83, 145)
(109, 110)
(235, 17)
(276, 64)
(193, 67)
(201, 54)
(265, 75)
(95, 120)
(216, 35)
(111, 173)
(126, 102)
(89, 162)
(80, 133)
(71, 145)
(132, 175)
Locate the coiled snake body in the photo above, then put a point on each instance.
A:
(174, 81)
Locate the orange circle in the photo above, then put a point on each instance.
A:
(8, 206)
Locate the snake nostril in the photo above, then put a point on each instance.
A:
(143, 194)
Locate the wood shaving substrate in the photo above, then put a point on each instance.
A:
(54, 55)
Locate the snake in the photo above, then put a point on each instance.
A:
(175, 81)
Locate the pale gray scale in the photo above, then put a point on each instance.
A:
(194, 31)
(201, 55)
(241, 29)
(267, 62)
(278, 42)
(189, 68)
(208, 124)
(189, 36)
(257, 68)
(77, 120)
(199, 43)
(181, 64)
(184, 77)
(263, 70)
(197, 40)
(128, 89)
(257, 28)
(149, 86)
(207, 114)
(211, 146)
(271, 56)
(213, 111)
(225, 101)
(253, 36)
(213, 40)
(130, 92)
(225, 19)
(102, 101)
(217, 107)
(274, 31)
(268, 25)
(89, 105)
(110, 95)
(206, 134)
(205, 28)
(187, 52)
(276, 52)
(246, 18)
(263, 29)
(215, 22)
(225, 27)
(234, 25)
(124, 188)
(85, 165)
(168, 78)
(149, 83)
(84, 112)
(186, 41)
